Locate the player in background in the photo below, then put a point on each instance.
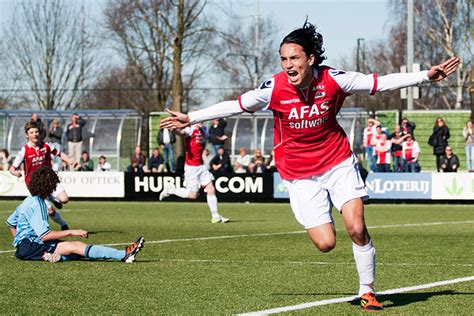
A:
(196, 174)
(34, 240)
(35, 154)
(312, 151)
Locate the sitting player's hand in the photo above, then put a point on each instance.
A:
(80, 233)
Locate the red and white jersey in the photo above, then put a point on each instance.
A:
(307, 138)
(383, 152)
(410, 149)
(35, 157)
(195, 142)
(369, 132)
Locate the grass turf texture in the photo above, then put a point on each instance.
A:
(243, 274)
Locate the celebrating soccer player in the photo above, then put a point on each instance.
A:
(312, 152)
(196, 174)
(34, 240)
(34, 155)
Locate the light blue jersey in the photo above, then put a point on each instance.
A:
(30, 219)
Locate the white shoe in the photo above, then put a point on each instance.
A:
(165, 193)
(51, 257)
(219, 219)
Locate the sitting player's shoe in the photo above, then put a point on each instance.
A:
(165, 193)
(51, 257)
(64, 227)
(58, 205)
(369, 303)
(132, 250)
(219, 219)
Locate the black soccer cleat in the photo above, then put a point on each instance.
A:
(132, 250)
(64, 227)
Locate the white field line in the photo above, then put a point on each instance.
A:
(164, 241)
(351, 298)
(349, 263)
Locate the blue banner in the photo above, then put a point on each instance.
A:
(280, 191)
(399, 186)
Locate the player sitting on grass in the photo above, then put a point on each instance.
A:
(35, 154)
(34, 240)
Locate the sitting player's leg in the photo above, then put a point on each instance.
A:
(67, 248)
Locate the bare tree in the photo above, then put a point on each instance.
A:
(159, 38)
(441, 31)
(47, 43)
(243, 62)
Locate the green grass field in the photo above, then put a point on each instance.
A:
(260, 260)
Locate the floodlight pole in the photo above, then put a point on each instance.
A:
(410, 50)
(257, 46)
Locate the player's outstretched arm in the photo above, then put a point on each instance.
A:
(14, 171)
(55, 235)
(443, 70)
(177, 120)
(69, 161)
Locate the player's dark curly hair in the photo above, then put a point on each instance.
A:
(308, 38)
(43, 182)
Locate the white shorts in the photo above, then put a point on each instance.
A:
(196, 176)
(59, 189)
(312, 199)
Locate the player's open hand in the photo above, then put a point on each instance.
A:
(441, 71)
(177, 120)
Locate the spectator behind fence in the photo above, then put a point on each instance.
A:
(243, 158)
(166, 139)
(397, 138)
(220, 163)
(468, 133)
(270, 163)
(384, 158)
(408, 127)
(55, 134)
(103, 165)
(410, 154)
(41, 127)
(156, 161)
(74, 136)
(137, 161)
(5, 160)
(86, 163)
(256, 158)
(238, 168)
(449, 162)
(369, 133)
(206, 158)
(217, 135)
(439, 140)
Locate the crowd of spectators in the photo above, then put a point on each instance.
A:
(385, 151)
(399, 151)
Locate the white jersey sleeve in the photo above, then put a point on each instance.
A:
(358, 83)
(19, 158)
(250, 101)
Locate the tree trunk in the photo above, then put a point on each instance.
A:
(177, 87)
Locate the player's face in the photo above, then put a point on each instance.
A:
(296, 64)
(33, 135)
